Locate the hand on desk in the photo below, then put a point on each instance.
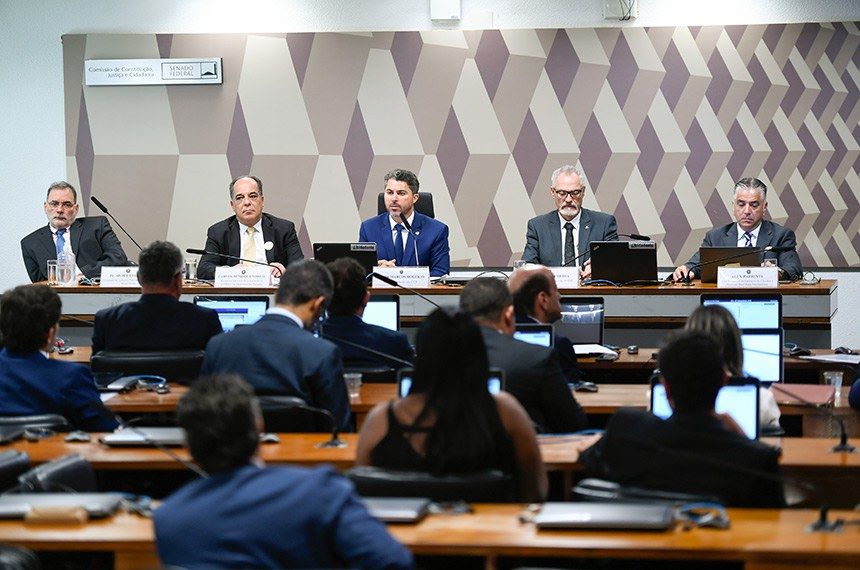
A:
(277, 269)
(681, 273)
(585, 273)
(386, 263)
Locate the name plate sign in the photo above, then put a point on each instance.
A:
(171, 71)
(412, 277)
(748, 277)
(566, 277)
(243, 276)
(119, 277)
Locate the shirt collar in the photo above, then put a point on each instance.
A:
(754, 232)
(54, 230)
(286, 313)
(409, 219)
(258, 226)
(574, 221)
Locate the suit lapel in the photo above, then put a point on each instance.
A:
(77, 231)
(234, 243)
(409, 253)
(584, 232)
(268, 236)
(387, 240)
(555, 252)
(732, 235)
(765, 234)
(46, 241)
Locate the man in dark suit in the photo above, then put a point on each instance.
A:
(344, 322)
(245, 515)
(277, 355)
(159, 320)
(532, 373)
(31, 382)
(749, 205)
(559, 237)
(91, 239)
(696, 450)
(250, 233)
(396, 245)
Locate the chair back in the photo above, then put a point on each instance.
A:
(17, 558)
(424, 205)
(180, 366)
(490, 486)
(50, 421)
(71, 473)
(12, 465)
(280, 415)
(600, 490)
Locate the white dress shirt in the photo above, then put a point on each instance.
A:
(403, 233)
(258, 240)
(742, 242)
(575, 222)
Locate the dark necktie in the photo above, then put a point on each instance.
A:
(61, 241)
(398, 244)
(748, 237)
(569, 251)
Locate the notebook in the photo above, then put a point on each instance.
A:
(145, 436)
(616, 515)
(235, 310)
(98, 505)
(397, 509)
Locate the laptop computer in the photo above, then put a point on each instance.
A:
(145, 436)
(97, 505)
(750, 310)
(114, 381)
(235, 310)
(362, 252)
(383, 311)
(615, 515)
(739, 398)
(763, 357)
(582, 320)
(9, 434)
(712, 257)
(495, 381)
(397, 509)
(624, 261)
(541, 335)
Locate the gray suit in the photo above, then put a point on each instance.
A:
(543, 236)
(770, 234)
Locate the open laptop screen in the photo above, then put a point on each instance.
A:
(763, 354)
(235, 310)
(581, 320)
(739, 399)
(383, 311)
(751, 311)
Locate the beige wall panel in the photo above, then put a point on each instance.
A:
(200, 198)
(330, 214)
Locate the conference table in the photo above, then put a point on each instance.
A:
(758, 539)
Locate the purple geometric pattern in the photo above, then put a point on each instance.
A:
(474, 112)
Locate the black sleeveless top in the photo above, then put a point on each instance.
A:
(394, 451)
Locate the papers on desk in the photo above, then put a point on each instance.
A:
(589, 349)
(835, 358)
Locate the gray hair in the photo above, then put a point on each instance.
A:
(238, 178)
(751, 184)
(566, 169)
(62, 185)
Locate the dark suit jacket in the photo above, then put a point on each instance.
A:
(543, 236)
(223, 237)
(155, 322)
(352, 329)
(533, 376)
(433, 250)
(564, 351)
(93, 243)
(771, 233)
(277, 357)
(32, 384)
(277, 517)
(636, 450)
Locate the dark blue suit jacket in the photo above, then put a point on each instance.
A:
(155, 322)
(351, 328)
(284, 517)
(433, 250)
(32, 384)
(277, 357)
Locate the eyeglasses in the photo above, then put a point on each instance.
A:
(66, 205)
(563, 194)
(253, 196)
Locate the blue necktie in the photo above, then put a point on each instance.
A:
(61, 241)
(748, 238)
(398, 244)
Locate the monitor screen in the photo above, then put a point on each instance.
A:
(763, 354)
(750, 311)
(540, 335)
(741, 401)
(581, 320)
(235, 311)
(495, 381)
(383, 311)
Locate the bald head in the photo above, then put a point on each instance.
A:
(536, 293)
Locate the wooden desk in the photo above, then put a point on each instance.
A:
(758, 538)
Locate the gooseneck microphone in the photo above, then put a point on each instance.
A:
(638, 237)
(843, 446)
(205, 252)
(104, 209)
(393, 283)
(775, 248)
(296, 403)
(367, 349)
(408, 227)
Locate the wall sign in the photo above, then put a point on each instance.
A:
(176, 71)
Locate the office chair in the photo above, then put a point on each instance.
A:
(71, 473)
(481, 487)
(181, 366)
(17, 558)
(55, 422)
(12, 465)
(282, 414)
(600, 490)
(424, 205)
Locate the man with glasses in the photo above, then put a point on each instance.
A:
(250, 234)
(561, 236)
(90, 239)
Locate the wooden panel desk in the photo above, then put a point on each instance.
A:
(758, 538)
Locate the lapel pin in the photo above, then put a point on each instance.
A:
(268, 246)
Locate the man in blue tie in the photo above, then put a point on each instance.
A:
(91, 239)
(749, 205)
(421, 240)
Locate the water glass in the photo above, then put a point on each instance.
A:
(52, 272)
(191, 268)
(353, 383)
(834, 378)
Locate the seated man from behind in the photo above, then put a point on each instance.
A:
(532, 373)
(31, 382)
(278, 355)
(696, 450)
(245, 515)
(158, 320)
(344, 322)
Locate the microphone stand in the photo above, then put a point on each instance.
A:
(364, 348)
(104, 209)
(294, 402)
(227, 255)
(413, 234)
(843, 446)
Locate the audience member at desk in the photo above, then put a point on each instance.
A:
(719, 323)
(532, 373)
(278, 355)
(696, 450)
(158, 320)
(450, 423)
(31, 382)
(537, 300)
(244, 515)
(344, 322)
(854, 394)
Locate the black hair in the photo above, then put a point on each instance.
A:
(401, 175)
(303, 281)
(525, 296)
(27, 313)
(159, 263)
(350, 286)
(485, 298)
(692, 366)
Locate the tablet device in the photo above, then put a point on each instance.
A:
(541, 335)
(383, 311)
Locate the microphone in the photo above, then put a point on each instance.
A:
(365, 348)
(104, 209)
(775, 248)
(295, 403)
(227, 255)
(843, 445)
(639, 237)
(414, 236)
(393, 283)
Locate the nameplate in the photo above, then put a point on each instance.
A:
(119, 277)
(243, 276)
(566, 277)
(748, 277)
(412, 277)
